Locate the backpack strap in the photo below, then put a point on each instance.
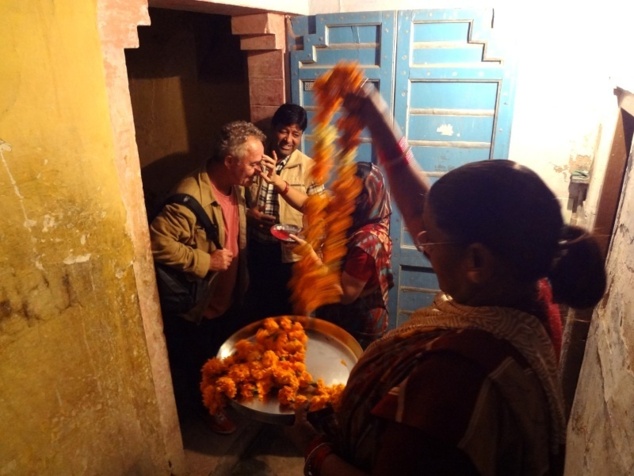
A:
(202, 217)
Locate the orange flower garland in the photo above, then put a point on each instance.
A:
(328, 217)
(272, 365)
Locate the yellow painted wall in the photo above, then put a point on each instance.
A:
(76, 394)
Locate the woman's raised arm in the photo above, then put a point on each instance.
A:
(407, 181)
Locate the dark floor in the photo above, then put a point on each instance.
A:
(255, 449)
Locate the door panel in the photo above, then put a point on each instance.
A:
(450, 95)
(322, 41)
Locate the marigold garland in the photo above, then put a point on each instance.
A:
(271, 365)
(328, 216)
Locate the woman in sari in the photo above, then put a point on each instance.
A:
(366, 272)
(468, 385)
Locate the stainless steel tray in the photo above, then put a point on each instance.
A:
(331, 352)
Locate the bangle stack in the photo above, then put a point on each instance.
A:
(286, 187)
(318, 450)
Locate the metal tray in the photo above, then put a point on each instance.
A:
(331, 352)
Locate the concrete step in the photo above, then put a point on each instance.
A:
(255, 449)
(208, 453)
(270, 454)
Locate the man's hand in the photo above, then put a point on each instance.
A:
(259, 220)
(220, 260)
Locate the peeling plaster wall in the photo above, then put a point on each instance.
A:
(601, 428)
(76, 388)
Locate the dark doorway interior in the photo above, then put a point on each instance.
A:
(187, 78)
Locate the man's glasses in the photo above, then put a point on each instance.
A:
(422, 243)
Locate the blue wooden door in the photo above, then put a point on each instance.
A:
(448, 86)
(319, 42)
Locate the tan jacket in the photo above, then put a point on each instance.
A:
(177, 240)
(297, 173)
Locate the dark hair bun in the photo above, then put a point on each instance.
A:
(578, 276)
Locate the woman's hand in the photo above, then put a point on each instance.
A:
(406, 179)
(302, 432)
(304, 244)
(367, 105)
(269, 174)
(293, 195)
(297, 239)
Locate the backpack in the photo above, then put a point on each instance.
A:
(178, 292)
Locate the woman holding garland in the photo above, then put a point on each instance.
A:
(468, 385)
(366, 275)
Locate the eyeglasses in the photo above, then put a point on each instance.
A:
(422, 244)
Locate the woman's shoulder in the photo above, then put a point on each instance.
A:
(365, 238)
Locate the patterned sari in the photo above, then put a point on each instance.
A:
(367, 318)
(509, 416)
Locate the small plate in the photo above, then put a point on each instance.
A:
(331, 352)
(281, 232)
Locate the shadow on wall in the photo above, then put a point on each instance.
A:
(162, 175)
(186, 79)
(265, 126)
